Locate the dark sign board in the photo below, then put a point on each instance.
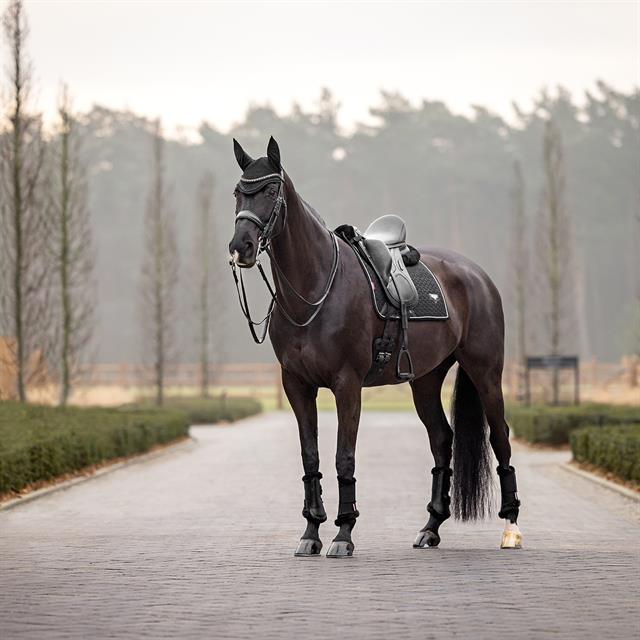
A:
(552, 362)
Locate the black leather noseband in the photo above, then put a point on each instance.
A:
(266, 228)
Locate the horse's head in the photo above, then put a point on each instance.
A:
(259, 200)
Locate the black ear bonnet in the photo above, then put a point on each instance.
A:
(250, 181)
(257, 174)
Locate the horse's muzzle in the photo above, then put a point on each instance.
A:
(235, 258)
(243, 247)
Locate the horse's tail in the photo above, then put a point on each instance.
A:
(472, 481)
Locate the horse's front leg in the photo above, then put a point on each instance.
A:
(348, 401)
(302, 397)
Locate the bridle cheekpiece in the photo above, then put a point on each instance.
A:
(267, 229)
(267, 233)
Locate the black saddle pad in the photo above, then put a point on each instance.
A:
(431, 305)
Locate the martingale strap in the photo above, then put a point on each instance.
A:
(244, 305)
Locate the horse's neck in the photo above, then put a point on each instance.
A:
(303, 251)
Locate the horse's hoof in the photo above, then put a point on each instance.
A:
(307, 547)
(340, 549)
(511, 538)
(426, 538)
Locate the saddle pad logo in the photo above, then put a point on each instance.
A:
(434, 296)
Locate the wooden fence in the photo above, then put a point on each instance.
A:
(618, 382)
(598, 381)
(258, 380)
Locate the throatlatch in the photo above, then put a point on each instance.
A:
(347, 510)
(313, 509)
(510, 505)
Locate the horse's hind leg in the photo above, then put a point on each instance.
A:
(302, 397)
(426, 397)
(488, 383)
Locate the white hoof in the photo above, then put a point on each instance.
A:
(511, 537)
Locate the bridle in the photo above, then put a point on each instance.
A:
(266, 235)
(267, 229)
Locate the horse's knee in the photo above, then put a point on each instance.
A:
(345, 464)
(310, 460)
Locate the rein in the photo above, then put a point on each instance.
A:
(267, 233)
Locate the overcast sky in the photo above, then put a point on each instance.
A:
(194, 61)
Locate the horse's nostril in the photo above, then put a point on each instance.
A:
(248, 245)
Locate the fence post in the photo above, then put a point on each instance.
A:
(279, 389)
(630, 363)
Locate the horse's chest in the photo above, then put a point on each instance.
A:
(291, 349)
(304, 353)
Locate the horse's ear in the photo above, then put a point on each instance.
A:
(243, 158)
(273, 153)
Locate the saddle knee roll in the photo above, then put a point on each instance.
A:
(400, 287)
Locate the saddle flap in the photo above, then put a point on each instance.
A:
(400, 287)
(380, 256)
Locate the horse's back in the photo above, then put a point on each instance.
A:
(446, 261)
(461, 277)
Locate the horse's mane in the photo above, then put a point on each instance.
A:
(312, 211)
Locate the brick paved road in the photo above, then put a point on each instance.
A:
(199, 544)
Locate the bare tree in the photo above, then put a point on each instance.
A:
(22, 218)
(635, 317)
(71, 244)
(555, 249)
(159, 271)
(204, 248)
(519, 260)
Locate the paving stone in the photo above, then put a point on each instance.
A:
(200, 545)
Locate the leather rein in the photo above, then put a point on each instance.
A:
(266, 235)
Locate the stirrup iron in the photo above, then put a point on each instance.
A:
(405, 376)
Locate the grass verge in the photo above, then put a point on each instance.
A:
(612, 448)
(543, 424)
(38, 443)
(205, 410)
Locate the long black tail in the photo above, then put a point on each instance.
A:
(472, 480)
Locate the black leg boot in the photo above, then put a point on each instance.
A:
(342, 545)
(510, 505)
(509, 508)
(438, 508)
(313, 510)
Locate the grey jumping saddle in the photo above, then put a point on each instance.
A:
(385, 241)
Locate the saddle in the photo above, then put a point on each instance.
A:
(385, 241)
(384, 247)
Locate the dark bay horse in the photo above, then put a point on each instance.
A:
(322, 329)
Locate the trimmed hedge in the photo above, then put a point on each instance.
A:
(613, 448)
(39, 443)
(208, 410)
(552, 425)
